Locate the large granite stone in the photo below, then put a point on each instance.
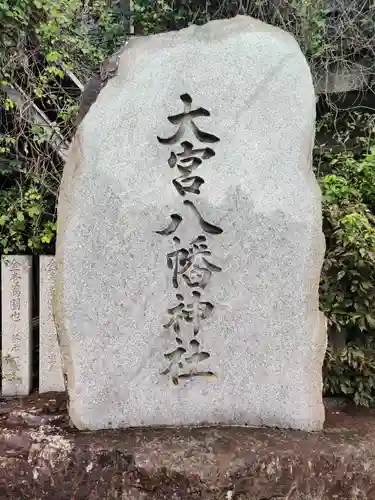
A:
(230, 266)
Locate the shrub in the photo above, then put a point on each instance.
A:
(351, 372)
(348, 276)
(347, 292)
(25, 224)
(41, 42)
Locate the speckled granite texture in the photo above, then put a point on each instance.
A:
(230, 265)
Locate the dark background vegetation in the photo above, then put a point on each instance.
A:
(47, 48)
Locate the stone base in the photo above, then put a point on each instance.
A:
(42, 457)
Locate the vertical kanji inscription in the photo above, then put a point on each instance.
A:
(191, 265)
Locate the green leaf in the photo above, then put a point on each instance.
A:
(33, 211)
(340, 275)
(53, 56)
(46, 238)
(343, 388)
(370, 320)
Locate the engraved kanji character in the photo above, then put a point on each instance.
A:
(176, 220)
(176, 315)
(174, 358)
(188, 184)
(16, 316)
(176, 260)
(188, 158)
(173, 225)
(15, 275)
(191, 263)
(196, 354)
(196, 311)
(185, 118)
(198, 270)
(193, 312)
(180, 357)
(15, 304)
(206, 226)
(16, 289)
(13, 265)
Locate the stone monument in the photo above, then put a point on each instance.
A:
(190, 240)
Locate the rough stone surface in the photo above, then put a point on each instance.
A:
(16, 324)
(51, 460)
(50, 369)
(258, 319)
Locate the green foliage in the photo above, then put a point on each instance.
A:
(308, 20)
(156, 16)
(351, 372)
(53, 28)
(110, 28)
(25, 224)
(326, 34)
(41, 41)
(347, 291)
(348, 277)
